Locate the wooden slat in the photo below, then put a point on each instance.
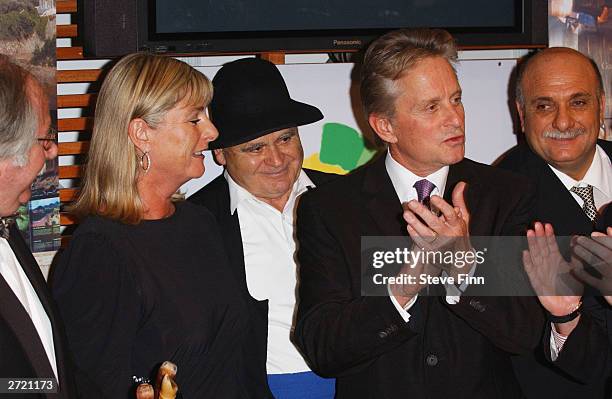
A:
(76, 100)
(67, 31)
(69, 172)
(67, 219)
(277, 58)
(71, 124)
(77, 147)
(68, 194)
(70, 6)
(66, 6)
(83, 75)
(69, 53)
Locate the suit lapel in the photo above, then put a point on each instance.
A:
(381, 201)
(463, 172)
(15, 314)
(236, 254)
(384, 206)
(230, 227)
(32, 270)
(557, 204)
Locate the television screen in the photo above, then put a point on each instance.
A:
(116, 27)
(332, 25)
(196, 16)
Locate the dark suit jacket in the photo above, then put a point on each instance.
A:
(583, 367)
(21, 351)
(444, 351)
(215, 196)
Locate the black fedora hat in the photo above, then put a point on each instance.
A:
(251, 100)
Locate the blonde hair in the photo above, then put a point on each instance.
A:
(140, 85)
(393, 54)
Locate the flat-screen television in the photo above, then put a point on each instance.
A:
(247, 26)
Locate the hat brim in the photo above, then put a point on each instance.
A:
(296, 114)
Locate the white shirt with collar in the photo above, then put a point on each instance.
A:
(269, 248)
(20, 284)
(599, 175)
(403, 181)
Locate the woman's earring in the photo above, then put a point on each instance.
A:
(145, 161)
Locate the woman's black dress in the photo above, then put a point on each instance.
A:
(132, 296)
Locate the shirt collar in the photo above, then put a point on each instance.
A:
(403, 179)
(238, 193)
(598, 175)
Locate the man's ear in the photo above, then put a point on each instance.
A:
(521, 113)
(383, 127)
(219, 156)
(138, 131)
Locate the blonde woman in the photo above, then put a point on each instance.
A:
(145, 279)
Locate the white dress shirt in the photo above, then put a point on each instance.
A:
(599, 175)
(269, 249)
(15, 277)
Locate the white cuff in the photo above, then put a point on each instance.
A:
(453, 293)
(403, 311)
(556, 342)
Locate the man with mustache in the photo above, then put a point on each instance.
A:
(254, 201)
(408, 344)
(32, 341)
(560, 100)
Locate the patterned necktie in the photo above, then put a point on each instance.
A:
(424, 188)
(586, 193)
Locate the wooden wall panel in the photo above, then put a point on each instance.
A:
(67, 31)
(76, 100)
(69, 53)
(66, 6)
(73, 148)
(78, 76)
(70, 174)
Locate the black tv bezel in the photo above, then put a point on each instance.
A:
(526, 33)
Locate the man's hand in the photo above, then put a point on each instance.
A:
(597, 253)
(548, 273)
(448, 231)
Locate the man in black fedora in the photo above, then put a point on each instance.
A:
(254, 201)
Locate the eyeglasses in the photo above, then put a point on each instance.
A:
(49, 140)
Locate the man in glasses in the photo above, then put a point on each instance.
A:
(31, 340)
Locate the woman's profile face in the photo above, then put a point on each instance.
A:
(178, 142)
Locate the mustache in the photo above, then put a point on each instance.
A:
(568, 134)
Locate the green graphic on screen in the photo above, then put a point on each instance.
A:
(342, 150)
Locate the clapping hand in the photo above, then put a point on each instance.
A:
(449, 230)
(549, 272)
(596, 251)
(431, 232)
